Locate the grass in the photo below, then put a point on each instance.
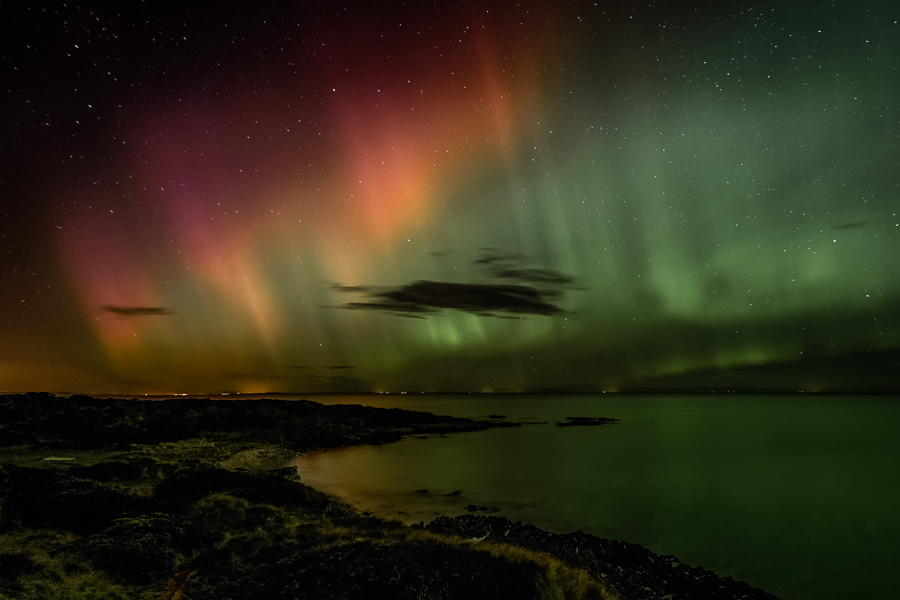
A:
(251, 527)
(26, 456)
(236, 530)
(559, 581)
(54, 573)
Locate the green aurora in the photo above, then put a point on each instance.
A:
(495, 197)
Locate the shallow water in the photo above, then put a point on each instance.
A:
(797, 495)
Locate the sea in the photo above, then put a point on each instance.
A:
(796, 494)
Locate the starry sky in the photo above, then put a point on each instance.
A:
(457, 196)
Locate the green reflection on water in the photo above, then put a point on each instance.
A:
(793, 494)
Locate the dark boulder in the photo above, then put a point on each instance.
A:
(584, 421)
(138, 550)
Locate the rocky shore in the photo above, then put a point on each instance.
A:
(188, 498)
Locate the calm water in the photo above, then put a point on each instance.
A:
(796, 495)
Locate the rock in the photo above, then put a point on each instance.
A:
(504, 424)
(633, 570)
(82, 422)
(138, 550)
(573, 421)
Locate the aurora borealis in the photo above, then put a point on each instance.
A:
(304, 197)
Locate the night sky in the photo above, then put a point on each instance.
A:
(471, 196)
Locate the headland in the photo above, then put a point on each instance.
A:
(189, 498)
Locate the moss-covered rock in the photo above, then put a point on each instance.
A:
(138, 550)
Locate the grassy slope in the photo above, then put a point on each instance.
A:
(206, 513)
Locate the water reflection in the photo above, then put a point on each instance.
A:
(795, 495)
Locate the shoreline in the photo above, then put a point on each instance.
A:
(190, 496)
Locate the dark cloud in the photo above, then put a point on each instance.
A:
(535, 291)
(340, 367)
(547, 276)
(492, 256)
(298, 366)
(350, 288)
(423, 297)
(853, 225)
(137, 311)
(509, 265)
(408, 309)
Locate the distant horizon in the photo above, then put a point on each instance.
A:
(880, 372)
(628, 392)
